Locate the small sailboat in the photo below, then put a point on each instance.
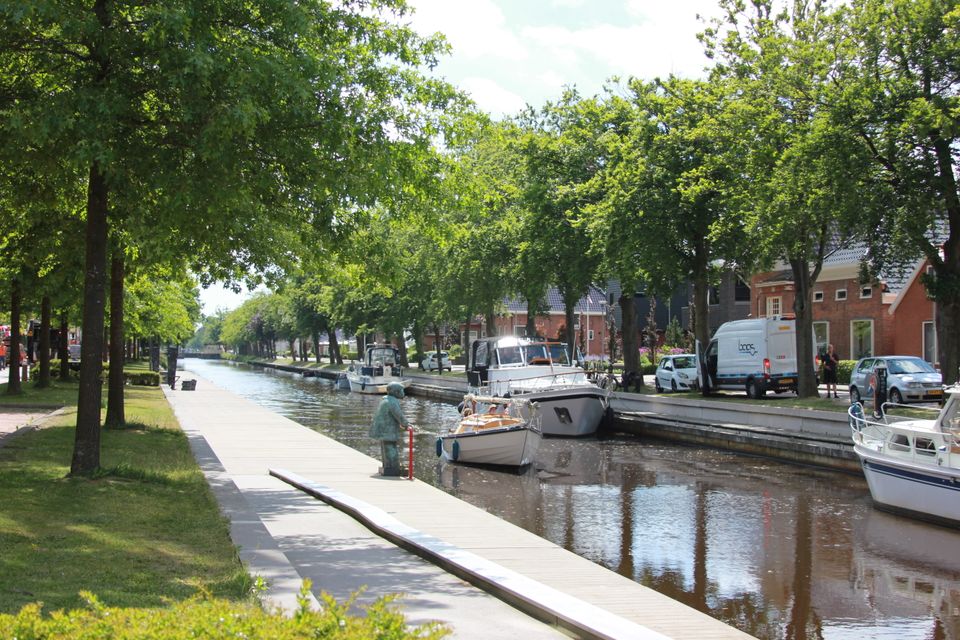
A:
(493, 431)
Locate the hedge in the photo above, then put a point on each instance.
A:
(131, 377)
(217, 620)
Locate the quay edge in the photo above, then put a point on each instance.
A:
(802, 436)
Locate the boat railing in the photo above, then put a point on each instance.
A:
(515, 406)
(900, 436)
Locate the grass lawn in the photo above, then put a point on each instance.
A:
(144, 533)
(59, 394)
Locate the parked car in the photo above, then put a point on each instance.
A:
(909, 379)
(677, 373)
(430, 362)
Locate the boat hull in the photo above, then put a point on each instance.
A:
(570, 413)
(509, 447)
(373, 384)
(915, 489)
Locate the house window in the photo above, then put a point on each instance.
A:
(713, 296)
(821, 332)
(930, 342)
(861, 339)
(841, 294)
(741, 291)
(818, 296)
(520, 330)
(774, 304)
(866, 292)
(590, 334)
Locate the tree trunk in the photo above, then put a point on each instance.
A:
(334, 346)
(13, 353)
(628, 312)
(803, 311)
(701, 285)
(571, 337)
(437, 346)
(466, 335)
(531, 327)
(116, 416)
(86, 447)
(402, 348)
(948, 337)
(491, 320)
(64, 346)
(44, 381)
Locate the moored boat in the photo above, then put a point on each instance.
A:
(493, 431)
(912, 465)
(542, 372)
(380, 367)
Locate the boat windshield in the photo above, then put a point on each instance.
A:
(899, 366)
(685, 362)
(384, 356)
(509, 355)
(547, 353)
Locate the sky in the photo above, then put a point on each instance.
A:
(511, 53)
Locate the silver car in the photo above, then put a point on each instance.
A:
(909, 379)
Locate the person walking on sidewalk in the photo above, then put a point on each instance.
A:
(388, 425)
(3, 354)
(830, 361)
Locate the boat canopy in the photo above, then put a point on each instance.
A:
(382, 355)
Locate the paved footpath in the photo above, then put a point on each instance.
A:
(373, 533)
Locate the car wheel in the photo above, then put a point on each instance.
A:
(656, 384)
(754, 390)
(895, 396)
(673, 386)
(854, 395)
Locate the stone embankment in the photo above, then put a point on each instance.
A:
(805, 436)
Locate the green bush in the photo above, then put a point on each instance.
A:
(216, 620)
(844, 369)
(132, 377)
(455, 351)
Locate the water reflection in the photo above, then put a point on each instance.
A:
(777, 550)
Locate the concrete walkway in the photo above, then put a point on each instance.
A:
(285, 534)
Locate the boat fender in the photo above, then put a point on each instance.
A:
(456, 451)
(856, 416)
(439, 447)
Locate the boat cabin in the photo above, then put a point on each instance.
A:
(379, 357)
(510, 352)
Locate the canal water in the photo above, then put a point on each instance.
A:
(774, 549)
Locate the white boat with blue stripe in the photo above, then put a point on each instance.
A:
(912, 465)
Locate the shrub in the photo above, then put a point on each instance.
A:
(844, 369)
(133, 377)
(216, 620)
(455, 351)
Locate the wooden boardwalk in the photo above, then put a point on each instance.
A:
(530, 572)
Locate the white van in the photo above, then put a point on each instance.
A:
(755, 356)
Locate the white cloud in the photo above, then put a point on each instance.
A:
(474, 29)
(491, 97)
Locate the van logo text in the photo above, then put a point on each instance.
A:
(747, 348)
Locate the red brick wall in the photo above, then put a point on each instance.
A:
(838, 313)
(549, 326)
(912, 311)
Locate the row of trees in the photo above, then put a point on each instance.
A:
(815, 128)
(140, 139)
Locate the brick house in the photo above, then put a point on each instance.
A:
(890, 315)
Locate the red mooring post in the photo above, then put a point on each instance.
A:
(410, 449)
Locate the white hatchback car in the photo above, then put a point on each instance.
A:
(677, 373)
(430, 362)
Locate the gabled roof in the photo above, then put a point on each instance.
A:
(594, 302)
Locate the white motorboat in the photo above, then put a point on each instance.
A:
(570, 404)
(912, 465)
(493, 431)
(380, 367)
